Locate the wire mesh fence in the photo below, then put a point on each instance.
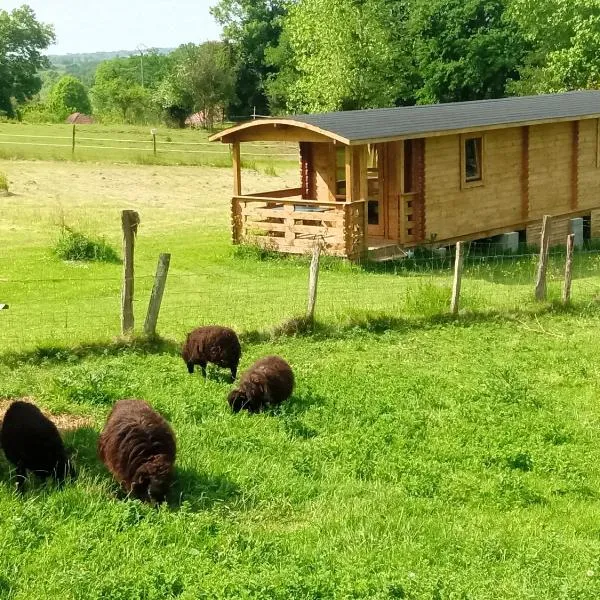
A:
(254, 295)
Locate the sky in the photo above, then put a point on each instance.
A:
(107, 25)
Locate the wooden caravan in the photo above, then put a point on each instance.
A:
(375, 182)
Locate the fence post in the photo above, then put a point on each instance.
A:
(153, 132)
(540, 282)
(313, 280)
(162, 269)
(129, 222)
(566, 295)
(73, 142)
(458, 265)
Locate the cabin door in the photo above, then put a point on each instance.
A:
(376, 210)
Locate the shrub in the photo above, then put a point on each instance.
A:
(73, 245)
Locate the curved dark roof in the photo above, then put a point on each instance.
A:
(382, 123)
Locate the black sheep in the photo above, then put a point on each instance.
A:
(138, 447)
(214, 344)
(32, 442)
(268, 382)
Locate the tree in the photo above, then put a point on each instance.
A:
(117, 92)
(565, 37)
(465, 49)
(201, 79)
(344, 55)
(68, 96)
(250, 27)
(22, 38)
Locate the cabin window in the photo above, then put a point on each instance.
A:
(472, 161)
(340, 171)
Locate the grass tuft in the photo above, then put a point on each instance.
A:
(3, 182)
(76, 246)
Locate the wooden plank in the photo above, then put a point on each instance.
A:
(458, 266)
(575, 165)
(566, 295)
(288, 211)
(285, 193)
(288, 201)
(297, 229)
(129, 223)
(525, 173)
(160, 280)
(237, 168)
(540, 282)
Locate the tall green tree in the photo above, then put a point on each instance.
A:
(250, 27)
(68, 96)
(565, 37)
(22, 39)
(344, 55)
(465, 49)
(117, 93)
(201, 79)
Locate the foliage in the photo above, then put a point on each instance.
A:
(68, 96)
(74, 245)
(345, 54)
(565, 37)
(200, 79)
(251, 27)
(465, 49)
(117, 92)
(22, 39)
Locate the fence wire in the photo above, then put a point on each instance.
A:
(258, 293)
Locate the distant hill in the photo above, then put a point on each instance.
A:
(59, 60)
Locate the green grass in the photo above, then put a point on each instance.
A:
(3, 182)
(133, 144)
(76, 246)
(421, 456)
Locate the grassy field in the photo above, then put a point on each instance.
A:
(421, 456)
(133, 144)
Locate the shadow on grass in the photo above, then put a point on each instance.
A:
(201, 491)
(299, 327)
(82, 444)
(65, 354)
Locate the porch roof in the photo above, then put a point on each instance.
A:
(386, 124)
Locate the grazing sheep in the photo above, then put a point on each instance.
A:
(214, 344)
(32, 443)
(269, 381)
(138, 447)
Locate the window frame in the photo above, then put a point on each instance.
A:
(470, 183)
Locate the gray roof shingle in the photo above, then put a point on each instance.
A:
(383, 123)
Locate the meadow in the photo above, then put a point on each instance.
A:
(421, 456)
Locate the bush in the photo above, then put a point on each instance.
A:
(73, 245)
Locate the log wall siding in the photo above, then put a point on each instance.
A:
(525, 172)
(323, 159)
(451, 211)
(588, 174)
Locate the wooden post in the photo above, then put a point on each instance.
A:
(237, 169)
(154, 142)
(73, 142)
(129, 221)
(566, 295)
(540, 282)
(313, 280)
(162, 269)
(458, 265)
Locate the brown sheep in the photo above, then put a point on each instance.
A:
(138, 447)
(32, 443)
(269, 381)
(214, 344)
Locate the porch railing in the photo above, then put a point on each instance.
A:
(284, 221)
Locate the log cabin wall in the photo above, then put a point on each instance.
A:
(452, 210)
(588, 167)
(323, 157)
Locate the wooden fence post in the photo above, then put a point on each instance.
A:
(313, 280)
(162, 269)
(458, 265)
(566, 295)
(129, 221)
(73, 142)
(540, 281)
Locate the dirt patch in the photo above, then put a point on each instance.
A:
(64, 422)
